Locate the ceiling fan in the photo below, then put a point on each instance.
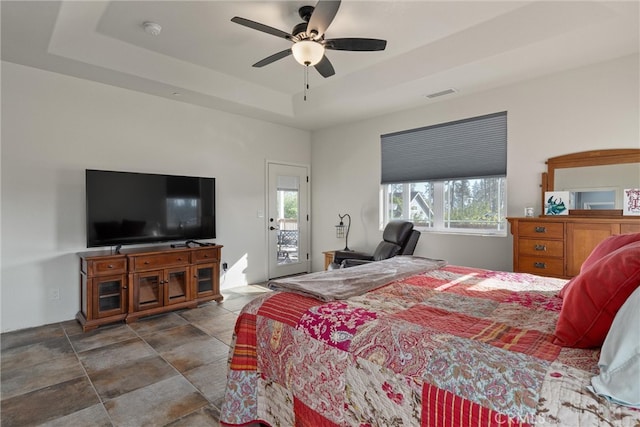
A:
(309, 44)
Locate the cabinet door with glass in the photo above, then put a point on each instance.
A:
(109, 295)
(176, 285)
(159, 288)
(148, 290)
(205, 283)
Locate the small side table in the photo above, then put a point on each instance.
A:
(328, 258)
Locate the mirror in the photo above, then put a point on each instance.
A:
(598, 187)
(596, 179)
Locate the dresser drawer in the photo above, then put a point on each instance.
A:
(203, 255)
(541, 248)
(629, 228)
(542, 230)
(105, 266)
(542, 266)
(149, 262)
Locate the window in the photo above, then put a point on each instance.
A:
(469, 206)
(449, 177)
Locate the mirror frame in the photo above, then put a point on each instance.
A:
(586, 158)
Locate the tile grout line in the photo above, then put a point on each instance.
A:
(86, 374)
(174, 368)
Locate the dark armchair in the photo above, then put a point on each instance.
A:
(398, 238)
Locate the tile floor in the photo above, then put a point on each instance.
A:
(165, 370)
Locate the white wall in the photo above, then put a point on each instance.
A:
(594, 107)
(54, 127)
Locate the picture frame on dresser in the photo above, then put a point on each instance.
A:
(631, 201)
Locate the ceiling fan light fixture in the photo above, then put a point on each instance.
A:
(307, 52)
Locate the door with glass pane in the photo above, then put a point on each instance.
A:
(110, 296)
(148, 290)
(176, 285)
(288, 219)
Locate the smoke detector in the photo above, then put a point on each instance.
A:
(152, 28)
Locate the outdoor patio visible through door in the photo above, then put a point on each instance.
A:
(288, 219)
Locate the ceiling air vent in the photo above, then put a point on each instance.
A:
(441, 93)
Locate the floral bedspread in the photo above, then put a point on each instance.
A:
(455, 346)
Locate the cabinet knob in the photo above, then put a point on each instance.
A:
(206, 256)
(179, 259)
(146, 262)
(110, 266)
(125, 287)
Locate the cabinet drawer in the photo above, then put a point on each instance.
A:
(212, 254)
(541, 248)
(148, 262)
(542, 230)
(106, 266)
(629, 228)
(542, 266)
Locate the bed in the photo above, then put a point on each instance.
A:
(412, 342)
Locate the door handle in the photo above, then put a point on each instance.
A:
(273, 228)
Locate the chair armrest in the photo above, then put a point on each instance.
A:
(352, 262)
(340, 256)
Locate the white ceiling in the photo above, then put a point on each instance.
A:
(201, 57)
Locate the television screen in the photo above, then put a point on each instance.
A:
(126, 208)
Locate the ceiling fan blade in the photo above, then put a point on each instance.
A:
(273, 58)
(261, 27)
(355, 44)
(325, 68)
(322, 17)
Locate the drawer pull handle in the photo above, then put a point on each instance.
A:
(146, 262)
(206, 256)
(540, 247)
(110, 266)
(179, 259)
(541, 229)
(540, 265)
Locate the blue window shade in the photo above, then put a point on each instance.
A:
(469, 148)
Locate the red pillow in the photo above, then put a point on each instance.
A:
(603, 248)
(595, 296)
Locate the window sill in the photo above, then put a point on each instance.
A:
(477, 233)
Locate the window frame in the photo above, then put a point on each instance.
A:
(439, 219)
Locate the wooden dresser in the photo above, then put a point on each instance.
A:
(558, 245)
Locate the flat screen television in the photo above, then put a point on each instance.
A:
(126, 208)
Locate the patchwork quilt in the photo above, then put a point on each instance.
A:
(454, 346)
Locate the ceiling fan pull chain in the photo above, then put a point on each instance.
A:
(306, 81)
